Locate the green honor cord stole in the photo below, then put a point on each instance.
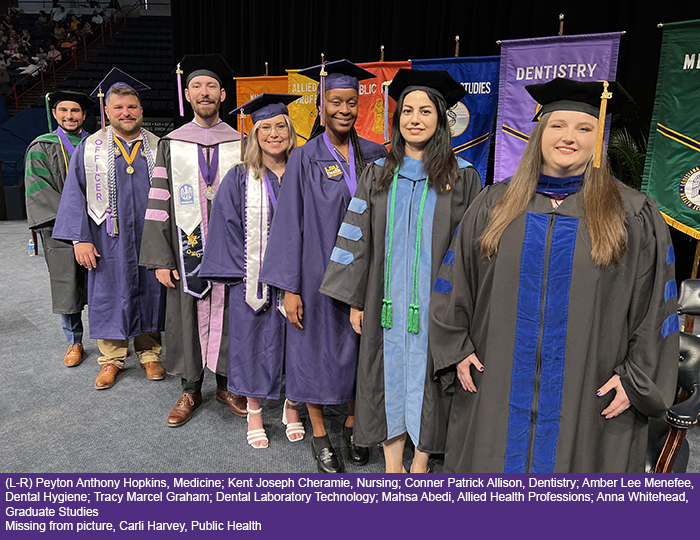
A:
(387, 314)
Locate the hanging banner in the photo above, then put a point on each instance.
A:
(672, 168)
(303, 111)
(591, 57)
(248, 88)
(370, 121)
(471, 120)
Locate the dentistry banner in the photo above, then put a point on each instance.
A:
(672, 168)
(471, 120)
(248, 88)
(303, 111)
(370, 120)
(590, 57)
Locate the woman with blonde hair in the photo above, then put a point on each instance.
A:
(560, 294)
(240, 221)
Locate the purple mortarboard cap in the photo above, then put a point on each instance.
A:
(116, 77)
(340, 74)
(266, 106)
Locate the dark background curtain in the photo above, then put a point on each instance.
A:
(293, 34)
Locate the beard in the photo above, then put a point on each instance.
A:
(207, 112)
(126, 129)
(74, 130)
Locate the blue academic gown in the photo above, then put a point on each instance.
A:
(321, 358)
(256, 340)
(125, 299)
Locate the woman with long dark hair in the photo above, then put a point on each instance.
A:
(388, 252)
(319, 184)
(561, 297)
(241, 215)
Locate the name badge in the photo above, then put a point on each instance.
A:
(333, 171)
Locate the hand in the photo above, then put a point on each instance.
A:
(357, 317)
(163, 275)
(294, 308)
(86, 254)
(620, 403)
(463, 372)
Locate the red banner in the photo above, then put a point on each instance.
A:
(370, 122)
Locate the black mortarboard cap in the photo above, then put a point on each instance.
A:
(568, 95)
(417, 79)
(212, 65)
(85, 101)
(266, 106)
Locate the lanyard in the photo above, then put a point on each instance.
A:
(128, 157)
(209, 171)
(350, 179)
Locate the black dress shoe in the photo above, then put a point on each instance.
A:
(357, 455)
(326, 460)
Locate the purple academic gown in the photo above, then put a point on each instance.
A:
(125, 300)
(321, 358)
(256, 340)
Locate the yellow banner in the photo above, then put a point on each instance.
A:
(303, 111)
(248, 88)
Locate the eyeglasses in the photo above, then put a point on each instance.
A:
(280, 128)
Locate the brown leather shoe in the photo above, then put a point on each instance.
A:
(183, 409)
(236, 404)
(107, 377)
(74, 356)
(154, 371)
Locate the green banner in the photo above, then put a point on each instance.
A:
(672, 168)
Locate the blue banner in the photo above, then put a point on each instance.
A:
(471, 120)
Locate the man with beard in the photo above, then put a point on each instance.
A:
(102, 211)
(192, 161)
(46, 165)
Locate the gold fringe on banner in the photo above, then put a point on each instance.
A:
(683, 228)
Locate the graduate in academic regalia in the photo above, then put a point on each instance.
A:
(239, 226)
(102, 212)
(192, 162)
(319, 183)
(554, 321)
(46, 166)
(387, 255)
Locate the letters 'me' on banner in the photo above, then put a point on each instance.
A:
(591, 57)
(370, 121)
(248, 88)
(471, 120)
(303, 111)
(672, 168)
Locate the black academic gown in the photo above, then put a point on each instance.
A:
(550, 328)
(361, 284)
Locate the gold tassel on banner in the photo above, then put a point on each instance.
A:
(604, 97)
(456, 46)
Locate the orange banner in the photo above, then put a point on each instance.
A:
(248, 88)
(370, 122)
